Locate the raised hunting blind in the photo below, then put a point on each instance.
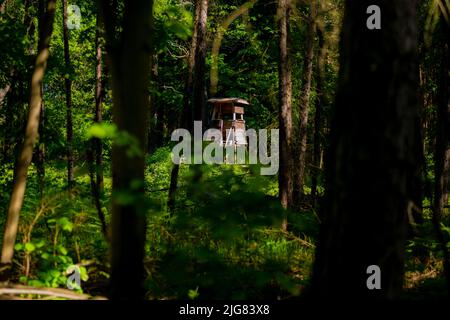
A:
(228, 116)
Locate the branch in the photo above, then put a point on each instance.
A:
(53, 292)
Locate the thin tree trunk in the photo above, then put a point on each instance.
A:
(320, 67)
(95, 190)
(304, 108)
(98, 117)
(68, 84)
(153, 142)
(13, 99)
(40, 149)
(372, 158)
(31, 133)
(95, 153)
(129, 64)
(186, 115)
(285, 104)
(173, 187)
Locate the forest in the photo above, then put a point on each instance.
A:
(224, 150)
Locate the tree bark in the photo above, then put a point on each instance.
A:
(300, 167)
(199, 84)
(40, 150)
(129, 58)
(31, 133)
(153, 140)
(98, 117)
(320, 102)
(285, 183)
(372, 160)
(442, 151)
(68, 85)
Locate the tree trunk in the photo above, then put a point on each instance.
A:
(129, 65)
(188, 103)
(372, 158)
(199, 85)
(95, 190)
(320, 102)
(300, 167)
(31, 133)
(285, 105)
(68, 84)
(40, 150)
(98, 117)
(95, 152)
(153, 142)
(442, 152)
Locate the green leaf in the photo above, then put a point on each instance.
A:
(29, 247)
(65, 224)
(18, 247)
(192, 294)
(40, 243)
(83, 274)
(54, 273)
(45, 256)
(36, 283)
(102, 131)
(62, 250)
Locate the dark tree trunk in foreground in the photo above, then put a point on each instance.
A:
(285, 105)
(68, 84)
(31, 133)
(301, 143)
(442, 152)
(372, 158)
(129, 56)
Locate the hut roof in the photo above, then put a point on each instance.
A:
(229, 100)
